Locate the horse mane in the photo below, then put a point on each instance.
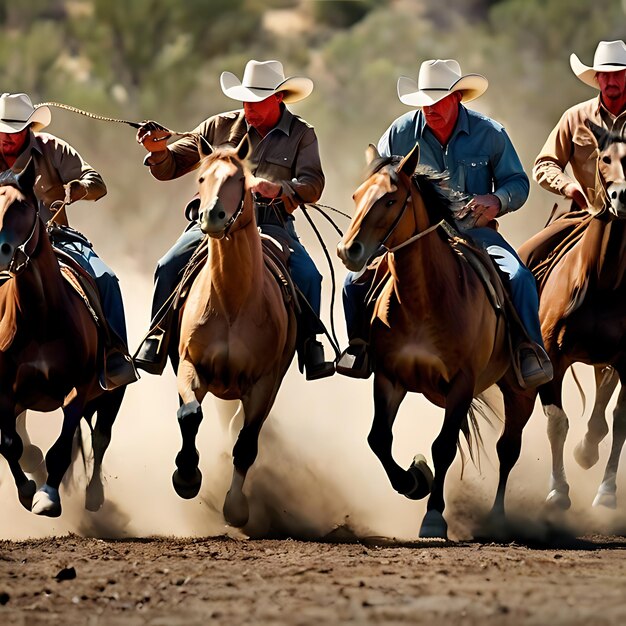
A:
(9, 306)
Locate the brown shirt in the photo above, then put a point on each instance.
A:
(288, 154)
(56, 164)
(572, 142)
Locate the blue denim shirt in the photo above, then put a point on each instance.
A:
(479, 157)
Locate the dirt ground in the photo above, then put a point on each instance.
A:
(163, 581)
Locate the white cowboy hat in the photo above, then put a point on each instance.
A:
(610, 56)
(17, 112)
(261, 79)
(437, 79)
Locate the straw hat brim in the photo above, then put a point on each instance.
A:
(295, 88)
(472, 86)
(588, 74)
(40, 118)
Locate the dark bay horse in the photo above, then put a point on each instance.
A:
(434, 329)
(48, 351)
(237, 336)
(583, 319)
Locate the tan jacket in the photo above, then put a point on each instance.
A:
(572, 142)
(56, 164)
(288, 154)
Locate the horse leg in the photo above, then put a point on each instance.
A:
(558, 425)
(458, 402)
(32, 460)
(586, 451)
(606, 492)
(107, 407)
(47, 500)
(518, 407)
(11, 448)
(256, 407)
(187, 477)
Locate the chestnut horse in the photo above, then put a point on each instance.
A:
(48, 352)
(434, 330)
(237, 336)
(583, 319)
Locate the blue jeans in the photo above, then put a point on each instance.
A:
(522, 286)
(171, 266)
(106, 281)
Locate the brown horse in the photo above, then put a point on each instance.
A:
(434, 330)
(48, 352)
(583, 319)
(237, 337)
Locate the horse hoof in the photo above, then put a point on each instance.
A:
(607, 500)
(94, 498)
(558, 500)
(26, 492)
(187, 487)
(236, 511)
(586, 456)
(47, 502)
(423, 477)
(31, 459)
(434, 526)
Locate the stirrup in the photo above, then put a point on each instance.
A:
(315, 365)
(533, 367)
(119, 370)
(151, 356)
(354, 361)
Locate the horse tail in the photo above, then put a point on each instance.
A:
(480, 409)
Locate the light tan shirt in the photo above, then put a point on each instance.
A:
(288, 154)
(571, 142)
(56, 164)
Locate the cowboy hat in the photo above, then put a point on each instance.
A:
(17, 112)
(610, 56)
(437, 79)
(261, 79)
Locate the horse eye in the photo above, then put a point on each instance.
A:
(606, 159)
(201, 179)
(390, 202)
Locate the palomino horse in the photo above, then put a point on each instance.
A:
(48, 352)
(434, 330)
(583, 312)
(237, 337)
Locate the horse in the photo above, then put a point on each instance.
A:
(582, 312)
(48, 354)
(237, 335)
(434, 330)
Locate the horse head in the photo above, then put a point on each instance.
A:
(222, 187)
(381, 203)
(19, 218)
(611, 168)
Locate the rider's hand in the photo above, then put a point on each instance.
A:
(74, 191)
(483, 208)
(574, 192)
(266, 188)
(153, 137)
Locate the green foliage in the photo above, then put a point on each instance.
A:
(342, 13)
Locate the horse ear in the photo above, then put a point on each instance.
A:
(26, 178)
(601, 134)
(371, 153)
(243, 148)
(204, 147)
(410, 161)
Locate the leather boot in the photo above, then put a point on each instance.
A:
(534, 367)
(354, 361)
(151, 356)
(119, 369)
(315, 365)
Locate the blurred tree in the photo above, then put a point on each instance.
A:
(342, 13)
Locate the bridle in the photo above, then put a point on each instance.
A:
(22, 255)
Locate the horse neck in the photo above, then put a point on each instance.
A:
(236, 269)
(603, 251)
(422, 266)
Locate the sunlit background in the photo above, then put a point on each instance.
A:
(161, 59)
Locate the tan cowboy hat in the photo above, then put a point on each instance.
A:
(261, 79)
(17, 112)
(610, 56)
(437, 79)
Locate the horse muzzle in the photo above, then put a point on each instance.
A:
(617, 199)
(7, 251)
(354, 255)
(213, 219)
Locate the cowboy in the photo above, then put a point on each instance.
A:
(62, 176)
(286, 164)
(572, 143)
(481, 163)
